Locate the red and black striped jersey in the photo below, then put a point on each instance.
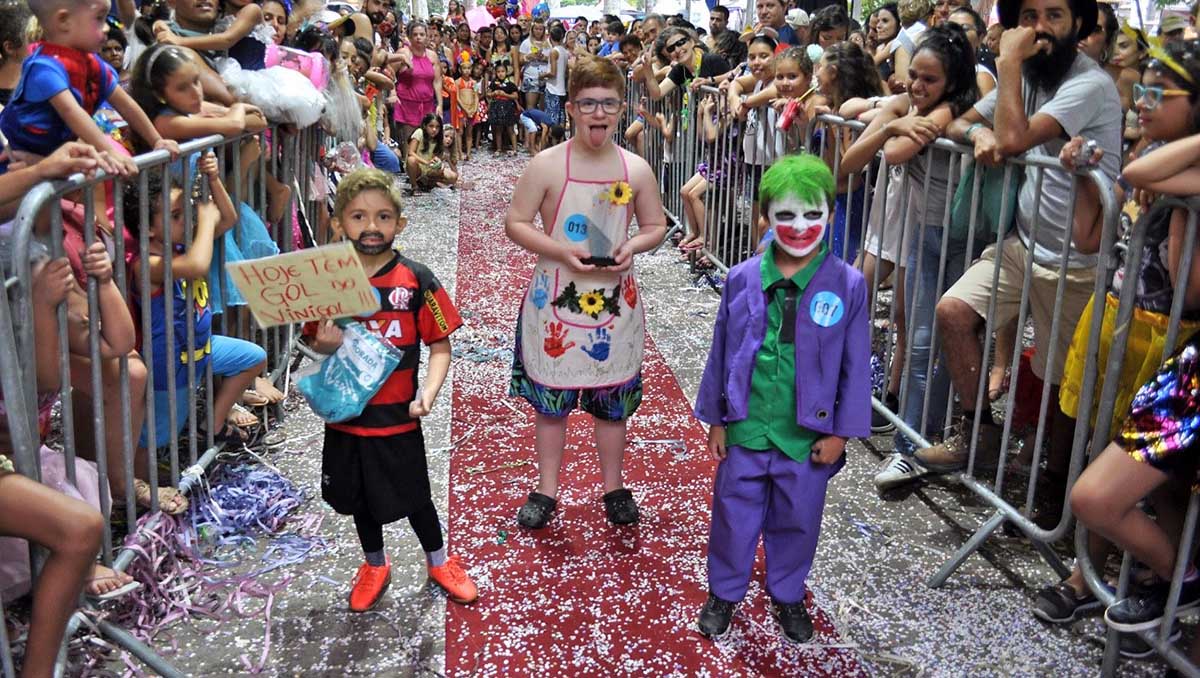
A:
(413, 308)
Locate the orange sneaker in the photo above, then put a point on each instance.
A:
(452, 577)
(368, 586)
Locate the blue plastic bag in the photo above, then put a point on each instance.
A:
(340, 386)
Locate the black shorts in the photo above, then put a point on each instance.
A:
(384, 476)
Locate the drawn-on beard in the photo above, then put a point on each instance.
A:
(379, 248)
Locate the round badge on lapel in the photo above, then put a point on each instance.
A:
(826, 308)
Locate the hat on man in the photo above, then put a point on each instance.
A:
(1172, 23)
(797, 18)
(1010, 14)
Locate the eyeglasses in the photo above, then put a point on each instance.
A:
(677, 44)
(588, 106)
(1153, 95)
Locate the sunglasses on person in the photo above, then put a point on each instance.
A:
(1153, 95)
(677, 44)
(588, 106)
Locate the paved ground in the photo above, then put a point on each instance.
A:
(873, 561)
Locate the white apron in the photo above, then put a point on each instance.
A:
(584, 330)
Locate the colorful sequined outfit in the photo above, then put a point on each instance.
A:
(1165, 416)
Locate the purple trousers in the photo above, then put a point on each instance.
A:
(765, 492)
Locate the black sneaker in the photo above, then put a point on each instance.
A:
(881, 424)
(1060, 604)
(620, 507)
(1132, 646)
(715, 617)
(1145, 609)
(794, 620)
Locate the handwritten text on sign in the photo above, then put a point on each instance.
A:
(312, 284)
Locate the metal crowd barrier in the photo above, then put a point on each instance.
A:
(1010, 503)
(733, 161)
(114, 392)
(1093, 572)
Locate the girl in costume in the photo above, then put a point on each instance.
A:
(502, 108)
(480, 74)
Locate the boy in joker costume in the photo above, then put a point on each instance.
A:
(787, 382)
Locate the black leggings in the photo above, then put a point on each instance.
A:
(424, 522)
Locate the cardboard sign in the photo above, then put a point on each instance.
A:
(315, 284)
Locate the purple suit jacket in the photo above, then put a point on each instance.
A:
(833, 350)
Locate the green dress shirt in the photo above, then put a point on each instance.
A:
(771, 411)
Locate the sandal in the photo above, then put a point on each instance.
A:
(96, 587)
(252, 398)
(170, 500)
(268, 390)
(240, 417)
(620, 507)
(537, 511)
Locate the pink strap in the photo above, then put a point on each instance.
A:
(569, 141)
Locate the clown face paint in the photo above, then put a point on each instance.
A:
(798, 225)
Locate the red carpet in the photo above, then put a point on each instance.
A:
(581, 598)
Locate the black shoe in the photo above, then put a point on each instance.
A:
(537, 511)
(879, 423)
(1060, 604)
(620, 507)
(1145, 609)
(794, 620)
(1133, 647)
(715, 616)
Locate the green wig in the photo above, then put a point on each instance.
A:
(804, 176)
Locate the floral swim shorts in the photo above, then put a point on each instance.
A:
(611, 403)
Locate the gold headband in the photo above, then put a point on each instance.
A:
(1155, 50)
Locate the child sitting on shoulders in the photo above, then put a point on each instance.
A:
(373, 466)
(64, 82)
(788, 381)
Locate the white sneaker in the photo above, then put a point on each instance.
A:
(896, 470)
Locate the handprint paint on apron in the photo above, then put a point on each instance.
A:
(584, 330)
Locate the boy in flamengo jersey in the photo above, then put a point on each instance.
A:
(373, 466)
(581, 330)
